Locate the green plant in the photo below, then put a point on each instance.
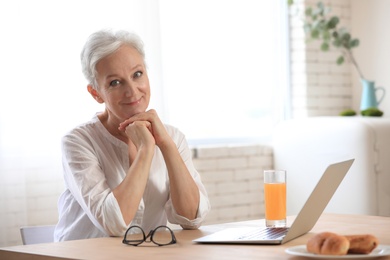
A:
(348, 112)
(371, 112)
(320, 25)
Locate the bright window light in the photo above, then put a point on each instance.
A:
(222, 63)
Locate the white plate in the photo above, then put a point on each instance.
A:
(381, 250)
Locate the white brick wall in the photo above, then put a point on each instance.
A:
(233, 178)
(30, 191)
(319, 86)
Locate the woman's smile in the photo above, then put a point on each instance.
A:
(132, 103)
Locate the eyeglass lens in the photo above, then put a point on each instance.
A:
(134, 235)
(162, 236)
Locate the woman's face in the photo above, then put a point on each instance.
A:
(123, 83)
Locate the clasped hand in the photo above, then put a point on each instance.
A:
(144, 129)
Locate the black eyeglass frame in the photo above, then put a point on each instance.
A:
(150, 234)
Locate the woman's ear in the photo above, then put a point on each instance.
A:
(95, 94)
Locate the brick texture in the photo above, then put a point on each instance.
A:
(320, 87)
(234, 180)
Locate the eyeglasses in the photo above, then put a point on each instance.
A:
(135, 236)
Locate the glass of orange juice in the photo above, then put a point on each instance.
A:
(275, 198)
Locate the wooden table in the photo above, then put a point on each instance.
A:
(112, 247)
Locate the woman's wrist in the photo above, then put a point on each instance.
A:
(167, 145)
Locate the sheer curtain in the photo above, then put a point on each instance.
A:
(43, 92)
(225, 73)
(213, 68)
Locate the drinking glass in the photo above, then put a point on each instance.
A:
(275, 198)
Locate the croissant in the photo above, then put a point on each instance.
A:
(328, 243)
(362, 244)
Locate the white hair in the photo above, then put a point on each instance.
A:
(103, 43)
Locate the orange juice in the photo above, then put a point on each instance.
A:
(275, 201)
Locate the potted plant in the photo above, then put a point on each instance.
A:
(320, 25)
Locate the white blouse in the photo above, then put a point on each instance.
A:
(94, 163)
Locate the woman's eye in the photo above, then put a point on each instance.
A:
(137, 74)
(114, 83)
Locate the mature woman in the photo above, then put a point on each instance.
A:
(125, 167)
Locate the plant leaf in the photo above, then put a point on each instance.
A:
(327, 10)
(316, 24)
(320, 25)
(346, 36)
(320, 6)
(354, 43)
(340, 60)
(324, 46)
(315, 33)
(319, 10)
(308, 11)
(307, 28)
(326, 35)
(337, 42)
(332, 23)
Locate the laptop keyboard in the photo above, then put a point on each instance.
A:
(265, 234)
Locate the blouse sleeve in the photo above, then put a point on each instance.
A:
(87, 182)
(204, 204)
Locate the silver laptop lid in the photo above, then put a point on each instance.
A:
(318, 199)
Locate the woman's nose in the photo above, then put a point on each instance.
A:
(131, 89)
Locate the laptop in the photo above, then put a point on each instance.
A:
(303, 223)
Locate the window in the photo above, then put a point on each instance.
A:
(216, 69)
(224, 65)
